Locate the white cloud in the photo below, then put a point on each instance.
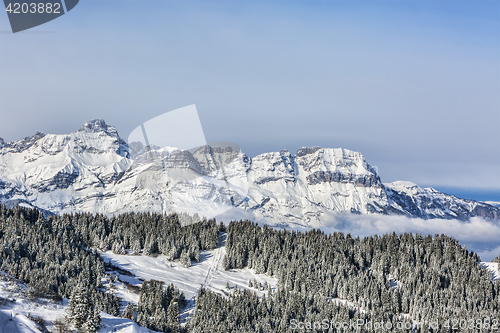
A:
(488, 255)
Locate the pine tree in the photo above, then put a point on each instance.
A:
(159, 322)
(197, 254)
(93, 323)
(118, 248)
(226, 264)
(79, 309)
(171, 253)
(185, 259)
(136, 246)
(173, 319)
(128, 312)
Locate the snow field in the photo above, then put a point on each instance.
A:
(494, 268)
(208, 273)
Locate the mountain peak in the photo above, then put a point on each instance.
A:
(95, 125)
(99, 125)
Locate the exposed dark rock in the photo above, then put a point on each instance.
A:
(307, 150)
(95, 125)
(486, 212)
(264, 201)
(214, 159)
(61, 180)
(264, 180)
(319, 177)
(21, 145)
(115, 177)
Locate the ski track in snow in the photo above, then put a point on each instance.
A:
(219, 252)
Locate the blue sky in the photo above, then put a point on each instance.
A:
(413, 85)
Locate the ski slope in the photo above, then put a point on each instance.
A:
(208, 273)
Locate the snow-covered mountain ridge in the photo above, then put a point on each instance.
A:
(91, 170)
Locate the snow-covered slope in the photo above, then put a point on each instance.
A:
(429, 203)
(91, 170)
(208, 273)
(493, 203)
(305, 187)
(21, 311)
(494, 268)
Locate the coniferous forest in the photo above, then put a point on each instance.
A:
(409, 282)
(58, 255)
(437, 280)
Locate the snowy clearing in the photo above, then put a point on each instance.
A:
(493, 268)
(208, 273)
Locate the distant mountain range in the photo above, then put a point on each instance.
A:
(91, 170)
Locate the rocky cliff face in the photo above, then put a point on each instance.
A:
(91, 170)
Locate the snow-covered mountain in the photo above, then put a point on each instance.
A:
(91, 170)
(493, 203)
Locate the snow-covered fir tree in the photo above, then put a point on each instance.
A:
(79, 309)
